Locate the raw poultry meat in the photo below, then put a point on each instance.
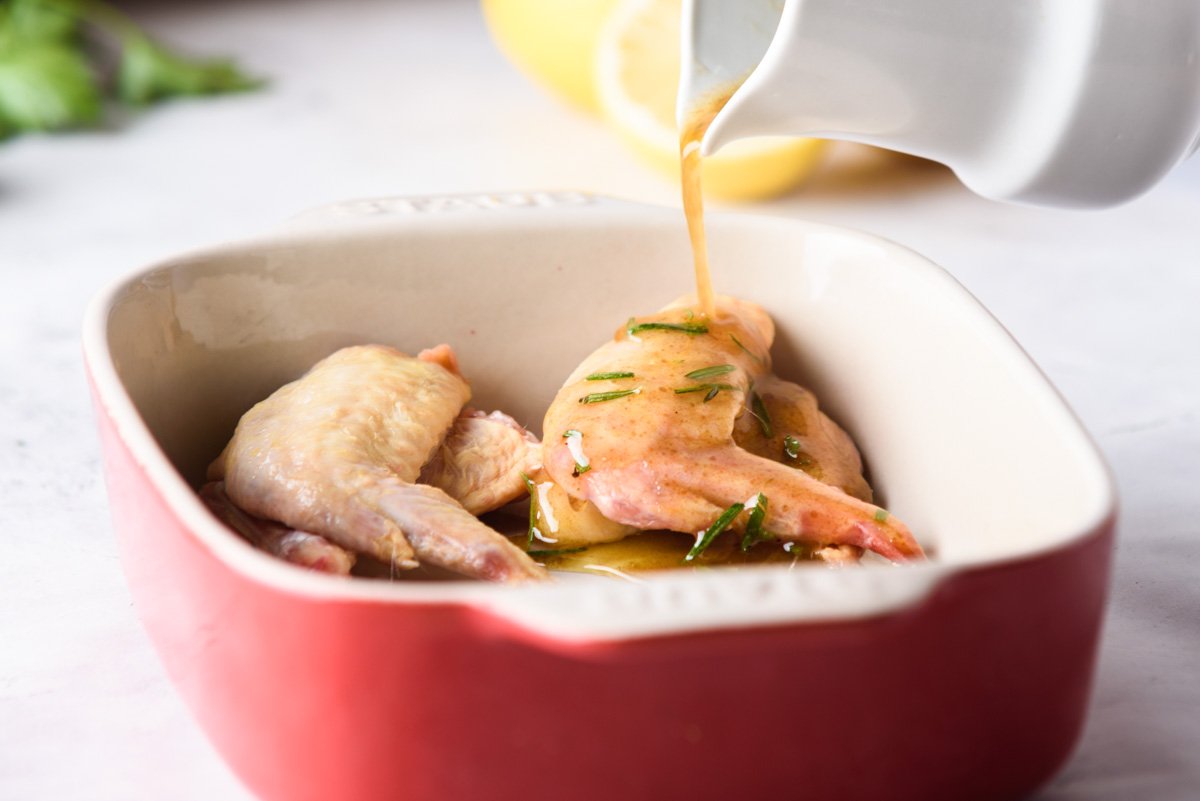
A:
(481, 461)
(337, 453)
(653, 412)
(298, 547)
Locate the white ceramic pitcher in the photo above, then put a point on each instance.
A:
(1054, 102)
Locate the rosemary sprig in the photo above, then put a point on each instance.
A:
(719, 525)
(759, 410)
(712, 390)
(608, 376)
(601, 397)
(691, 329)
(710, 372)
(754, 525)
(582, 464)
(748, 352)
(531, 488)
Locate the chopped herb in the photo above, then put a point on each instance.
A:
(684, 328)
(533, 505)
(754, 526)
(881, 515)
(719, 525)
(601, 397)
(710, 389)
(710, 372)
(608, 376)
(557, 551)
(791, 446)
(689, 314)
(575, 446)
(759, 410)
(748, 352)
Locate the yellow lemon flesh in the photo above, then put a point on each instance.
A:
(554, 41)
(637, 75)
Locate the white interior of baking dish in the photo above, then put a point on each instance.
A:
(963, 437)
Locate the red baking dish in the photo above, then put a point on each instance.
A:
(966, 677)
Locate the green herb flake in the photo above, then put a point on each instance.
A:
(531, 488)
(881, 515)
(754, 525)
(719, 525)
(791, 446)
(710, 372)
(710, 390)
(759, 410)
(691, 329)
(580, 467)
(747, 351)
(601, 397)
(608, 376)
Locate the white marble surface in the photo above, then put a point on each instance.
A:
(393, 97)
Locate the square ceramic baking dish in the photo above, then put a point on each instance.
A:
(966, 677)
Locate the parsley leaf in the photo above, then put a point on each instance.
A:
(150, 72)
(47, 81)
(45, 86)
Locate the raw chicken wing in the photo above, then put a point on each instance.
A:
(337, 453)
(660, 444)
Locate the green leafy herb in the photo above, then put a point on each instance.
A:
(601, 397)
(719, 525)
(580, 467)
(747, 351)
(759, 410)
(710, 372)
(607, 376)
(791, 446)
(150, 72)
(792, 450)
(531, 488)
(557, 551)
(881, 515)
(47, 81)
(691, 329)
(45, 86)
(754, 525)
(710, 390)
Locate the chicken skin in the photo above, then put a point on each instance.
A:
(796, 432)
(338, 452)
(481, 461)
(653, 413)
(301, 548)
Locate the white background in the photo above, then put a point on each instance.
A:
(388, 97)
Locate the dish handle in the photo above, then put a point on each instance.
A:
(427, 206)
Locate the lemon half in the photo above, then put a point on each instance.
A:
(637, 75)
(553, 41)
